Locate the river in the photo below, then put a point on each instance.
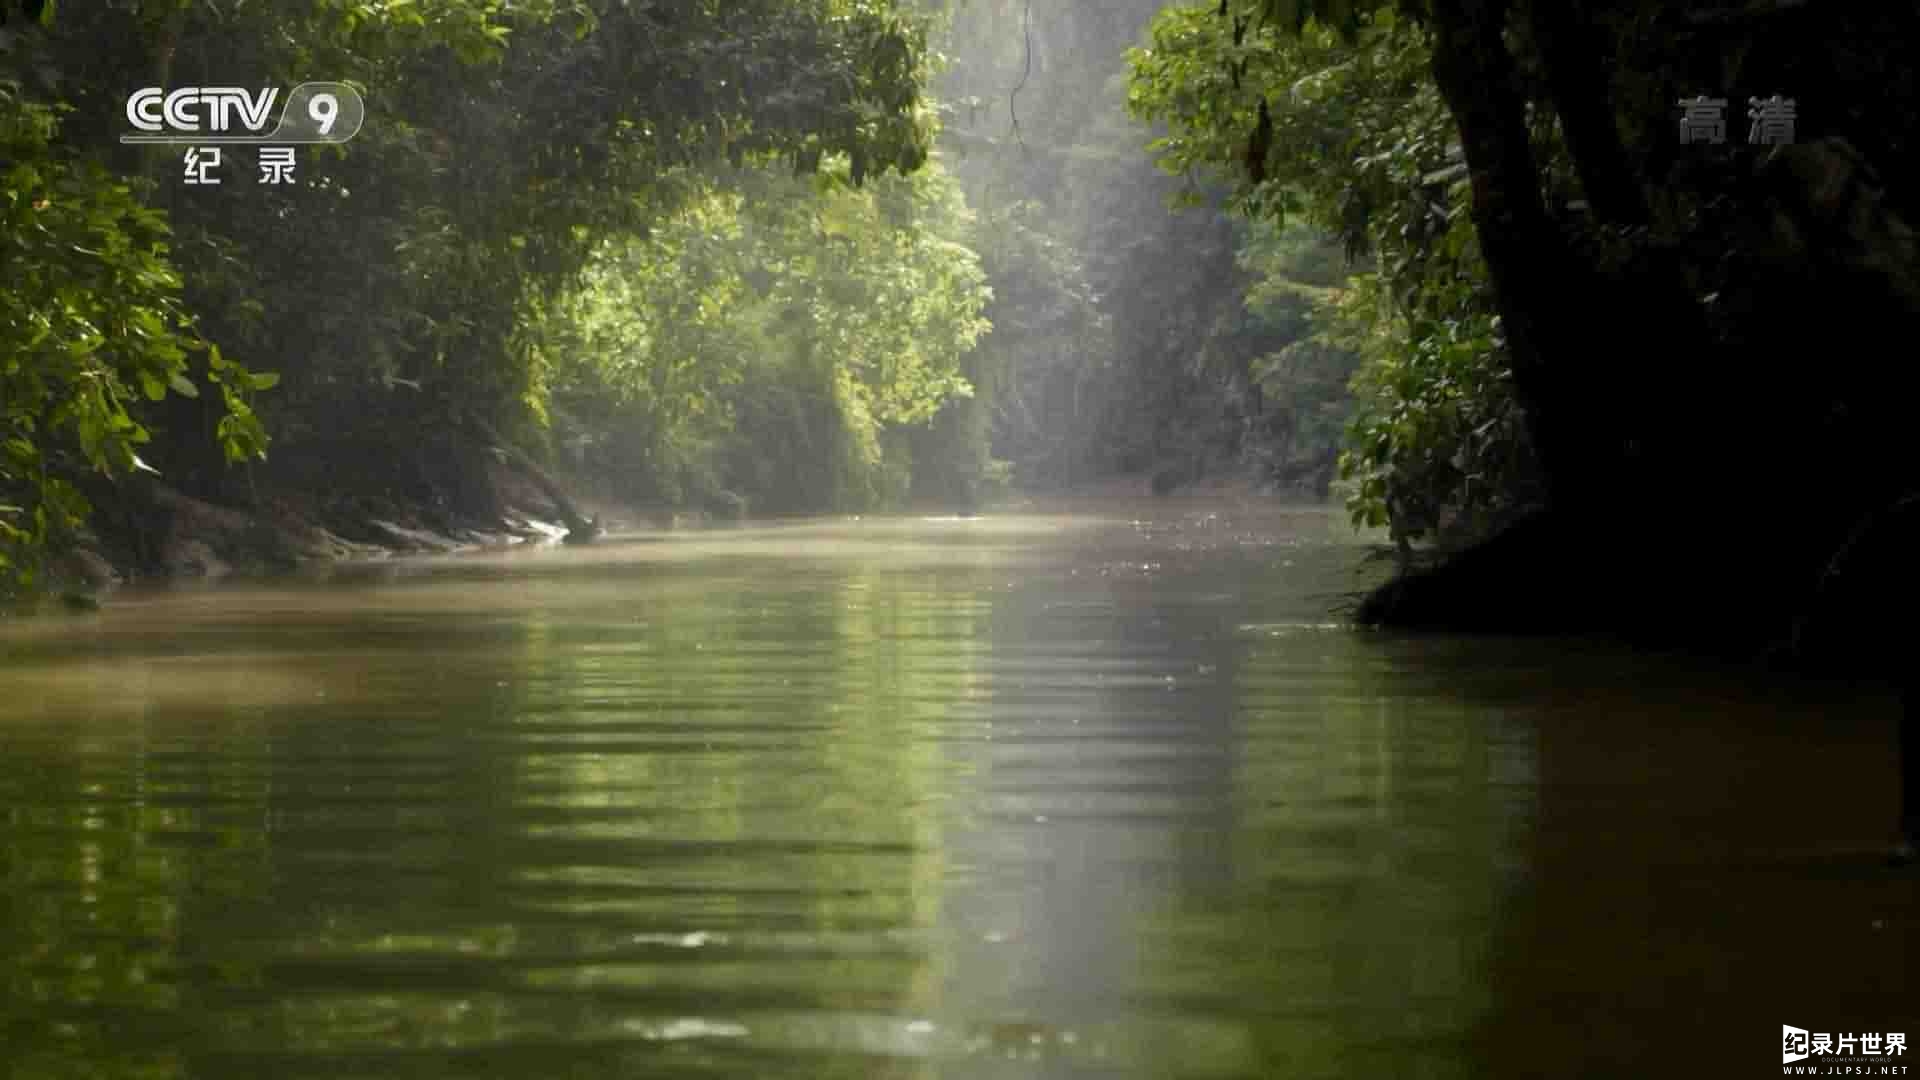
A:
(1100, 790)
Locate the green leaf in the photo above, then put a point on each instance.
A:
(265, 380)
(183, 387)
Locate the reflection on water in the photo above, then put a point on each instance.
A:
(1105, 794)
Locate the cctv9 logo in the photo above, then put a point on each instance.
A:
(315, 112)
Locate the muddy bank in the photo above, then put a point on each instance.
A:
(145, 530)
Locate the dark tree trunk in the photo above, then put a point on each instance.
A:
(1536, 279)
(1669, 344)
(1577, 80)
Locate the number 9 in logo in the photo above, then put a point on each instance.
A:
(324, 109)
(320, 112)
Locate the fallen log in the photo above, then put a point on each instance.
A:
(581, 529)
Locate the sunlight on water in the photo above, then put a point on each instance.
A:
(1102, 793)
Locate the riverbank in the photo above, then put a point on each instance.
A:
(146, 531)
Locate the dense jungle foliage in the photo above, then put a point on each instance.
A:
(804, 255)
(693, 257)
(1583, 323)
(1358, 142)
(401, 293)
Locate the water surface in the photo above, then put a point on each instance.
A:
(1103, 793)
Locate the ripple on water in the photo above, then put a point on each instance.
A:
(1108, 795)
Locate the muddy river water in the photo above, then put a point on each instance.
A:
(1096, 790)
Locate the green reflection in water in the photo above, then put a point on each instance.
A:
(1024, 796)
(123, 840)
(1377, 833)
(614, 831)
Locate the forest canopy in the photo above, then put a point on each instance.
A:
(395, 287)
(1451, 260)
(719, 260)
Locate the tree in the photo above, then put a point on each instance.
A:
(392, 284)
(91, 326)
(777, 338)
(1584, 207)
(1349, 135)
